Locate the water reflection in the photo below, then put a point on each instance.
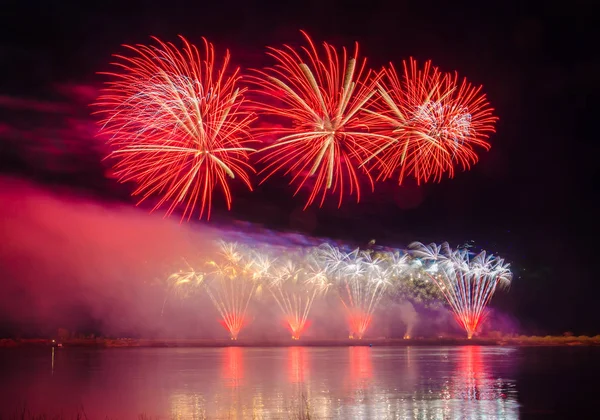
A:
(272, 383)
(361, 368)
(297, 364)
(233, 366)
(237, 401)
(473, 381)
(362, 392)
(478, 388)
(188, 406)
(299, 405)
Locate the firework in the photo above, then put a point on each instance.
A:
(467, 282)
(410, 283)
(183, 284)
(177, 124)
(294, 286)
(410, 287)
(362, 280)
(322, 98)
(233, 279)
(436, 120)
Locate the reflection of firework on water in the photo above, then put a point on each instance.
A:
(474, 380)
(297, 364)
(176, 121)
(467, 283)
(361, 367)
(436, 121)
(183, 284)
(232, 281)
(323, 98)
(233, 366)
(294, 286)
(362, 279)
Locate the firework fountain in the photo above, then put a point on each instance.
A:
(409, 286)
(467, 282)
(294, 284)
(296, 277)
(362, 280)
(232, 280)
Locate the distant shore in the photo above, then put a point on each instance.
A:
(398, 342)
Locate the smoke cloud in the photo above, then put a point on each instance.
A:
(409, 316)
(96, 267)
(76, 263)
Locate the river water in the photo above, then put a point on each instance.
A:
(468, 382)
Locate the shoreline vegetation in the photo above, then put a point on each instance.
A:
(514, 340)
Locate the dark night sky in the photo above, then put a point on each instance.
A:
(532, 198)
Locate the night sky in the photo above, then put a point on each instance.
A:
(531, 199)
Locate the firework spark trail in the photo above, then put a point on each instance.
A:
(362, 280)
(323, 98)
(409, 286)
(232, 283)
(294, 286)
(178, 125)
(436, 121)
(296, 277)
(467, 283)
(182, 284)
(409, 282)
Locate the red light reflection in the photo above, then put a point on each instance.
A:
(361, 369)
(233, 366)
(297, 364)
(472, 381)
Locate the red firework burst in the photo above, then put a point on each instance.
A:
(177, 125)
(436, 121)
(322, 98)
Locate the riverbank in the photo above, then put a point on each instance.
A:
(130, 342)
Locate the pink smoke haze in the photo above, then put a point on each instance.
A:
(97, 267)
(62, 254)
